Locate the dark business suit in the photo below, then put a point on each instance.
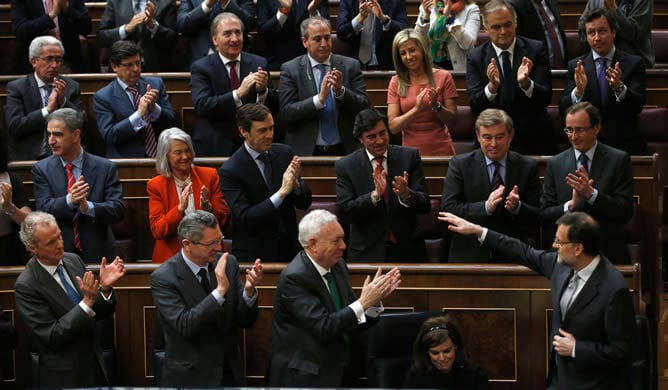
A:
(50, 182)
(65, 336)
(533, 134)
(299, 116)
(466, 189)
(530, 25)
(216, 132)
(24, 119)
(283, 43)
(310, 340)
(7, 341)
(201, 336)
(395, 9)
(611, 172)
(29, 20)
(371, 224)
(260, 229)
(194, 24)
(113, 109)
(601, 319)
(156, 48)
(620, 127)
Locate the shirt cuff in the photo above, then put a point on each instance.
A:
(573, 352)
(357, 27)
(237, 99)
(91, 209)
(490, 96)
(155, 114)
(282, 18)
(250, 301)
(316, 102)
(216, 295)
(387, 25)
(343, 92)
(574, 99)
(205, 9)
(483, 236)
(105, 297)
(593, 197)
(87, 309)
(374, 311)
(529, 91)
(137, 122)
(154, 29)
(359, 311)
(276, 200)
(619, 97)
(122, 33)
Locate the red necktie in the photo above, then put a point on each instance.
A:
(48, 5)
(234, 77)
(150, 143)
(379, 160)
(75, 218)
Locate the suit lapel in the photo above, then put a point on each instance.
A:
(188, 281)
(49, 287)
(57, 175)
(562, 278)
(218, 68)
(590, 71)
(35, 95)
(588, 292)
(325, 297)
(597, 162)
(125, 106)
(306, 66)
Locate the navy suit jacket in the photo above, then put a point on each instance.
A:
(260, 229)
(395, 9)
(611, 172)
(216, 132)
(601, 319)
(466, 189)
(29, 21)
(620, 127)
(97, 240)
(533, 128)
(310, 340)
(200, 334)
(283, 43)
(23, 115)
(371, 223)
(299, 116)
(113, 109)
(65, 336)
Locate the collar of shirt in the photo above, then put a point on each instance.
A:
(193, 267)
(321, 270)
(587, 271)
(502, 161)
(315, 63)
(595, 56)
(371, 157)
(253, 153)
(77, 162)
(40, 82)
(510, 49)
(589, 153)
(51, 269)
(226, 60)
(122, 84)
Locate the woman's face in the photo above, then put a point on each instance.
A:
(443, 355)
(180, 158)
(411, 55)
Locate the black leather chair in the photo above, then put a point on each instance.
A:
(390, 348)
(643, 363)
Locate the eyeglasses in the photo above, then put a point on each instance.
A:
(559, 243)
(576, 130)
(49, 60)
(211, 244)
(129, 65)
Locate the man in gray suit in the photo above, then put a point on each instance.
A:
(320, 94)
(202, 303)
(60, 303)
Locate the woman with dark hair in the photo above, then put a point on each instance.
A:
(439, 361)
(13, 210)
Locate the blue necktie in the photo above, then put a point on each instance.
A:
(583, 159)
(327, 113)
(71, 292)
(266, 170)
(603, 86)
(497, 181)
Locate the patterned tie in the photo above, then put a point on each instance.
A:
(327, 113)
(366, 39)
(497, 181)
(75, 219)
(556, 56)
(150, 143)
(204, 280)
(234, 76)
(569, 294)
(333, 290)
(379, 166)
(48, 5)
(584, 162)
(45, 150)
(506, 78)
(71, 292)
(603, 86)
(266, 169)
(626, 6)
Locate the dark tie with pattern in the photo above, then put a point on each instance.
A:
(234, 76)
(75, 219)
(150, 143)
(69, 289)
(584, 162)
(333, 290)
(603, 85)
(266, 169)
(506, 79)
(204, 280)
(496, 176)
(45, 150)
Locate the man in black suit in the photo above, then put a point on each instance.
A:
(612, 80)
(320, 95)
(221, 83)
(314, 333)
(541, 20)
(592, 333)
(370, 26)
(380, 189)
(202, 303)
(590, 177)
(262, 185)
(151, 24)
(523, 89)
(493, 186)
(61, 302)
(65, 20)
(31, 98)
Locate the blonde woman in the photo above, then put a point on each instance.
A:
(420, 100)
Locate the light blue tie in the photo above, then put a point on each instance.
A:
(327, 113)
(71, 292)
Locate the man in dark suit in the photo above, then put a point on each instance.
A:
(81, 190)
(523, 90)
(221, 83)
(320, 95)
(31, 98)
(493, 186)
(592, 334)
(194, 18)
(314, 338)
(65, 20)
(132, 110)
(590, 177)
(541, 20)
(279, 27)
(151, 24)
(612, 80)
(262, 185)
(61, 302)
(370, 26)
(202, 303)
(380, 189)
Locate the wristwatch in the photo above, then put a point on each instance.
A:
(438, 107)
